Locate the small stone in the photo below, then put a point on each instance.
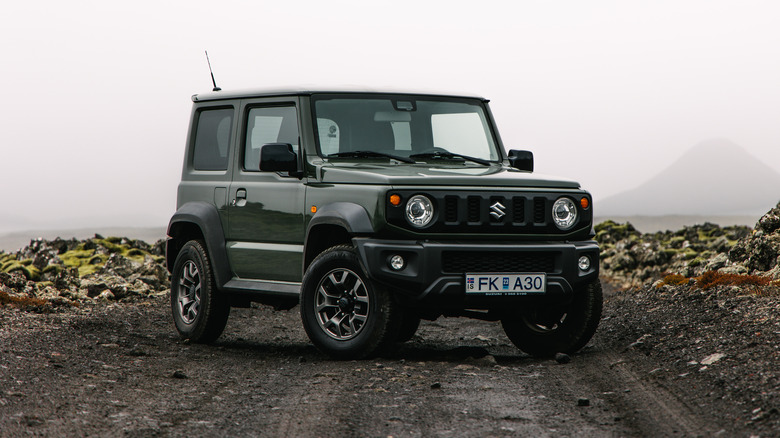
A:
(33, 421)
(711, 359)
(178, 374)
(436, 385)
(582, 401)
(106, 295)
(136, 351)
(488, 360)
(634, 345)
(465, 367)
(562, 358)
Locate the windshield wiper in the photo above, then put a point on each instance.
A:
(369, 154)
(450, 155)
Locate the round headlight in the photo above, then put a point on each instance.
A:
(419, 211)
(564, 213)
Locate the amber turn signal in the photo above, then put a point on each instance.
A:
(395, 199)
(584, 203)
(313, 208)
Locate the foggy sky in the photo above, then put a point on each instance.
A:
(96, 95)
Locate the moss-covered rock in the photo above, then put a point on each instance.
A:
(70, 271)
(632, 258)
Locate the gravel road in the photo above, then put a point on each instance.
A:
(119, 369)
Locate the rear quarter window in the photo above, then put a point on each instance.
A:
(212, 139)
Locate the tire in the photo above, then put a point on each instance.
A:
(343, 313)
(545, 330)
(409, 325)
(200, 313)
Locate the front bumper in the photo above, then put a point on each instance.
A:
(434, 272)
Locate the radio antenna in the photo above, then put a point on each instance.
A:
(212, 73)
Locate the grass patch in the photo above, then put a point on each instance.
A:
(714, 278)
(755, 284)
(21, 302)
(674, 280)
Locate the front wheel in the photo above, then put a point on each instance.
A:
(545, 329)
(343, 313)
(199, 311)
(410, 322)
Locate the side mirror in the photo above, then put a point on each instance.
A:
(278, 157)
(522, 160)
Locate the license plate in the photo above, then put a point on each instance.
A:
(506, 284)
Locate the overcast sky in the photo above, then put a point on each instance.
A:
(96, 95)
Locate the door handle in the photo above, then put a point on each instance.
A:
(240, 199)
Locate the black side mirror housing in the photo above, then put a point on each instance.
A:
(522, 160)
(278, 157)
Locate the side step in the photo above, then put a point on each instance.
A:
(280, 294)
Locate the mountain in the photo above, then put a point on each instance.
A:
(716, 177)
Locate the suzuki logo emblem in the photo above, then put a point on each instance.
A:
(497, 210)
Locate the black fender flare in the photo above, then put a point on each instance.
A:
(350, 216)
(206, 217)
(347, 215)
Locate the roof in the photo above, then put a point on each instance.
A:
(307, 91)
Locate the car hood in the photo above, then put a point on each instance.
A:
(435, 175)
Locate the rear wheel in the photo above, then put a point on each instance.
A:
(343, 313)
(200, 313)
(546, 330)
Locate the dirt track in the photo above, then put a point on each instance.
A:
(120, 369)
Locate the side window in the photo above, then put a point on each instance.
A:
(277, 124)
(212, 139)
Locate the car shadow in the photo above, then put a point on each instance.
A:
(415, 352)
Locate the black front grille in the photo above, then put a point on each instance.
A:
(539, 210)
(451, 208)
(490, 212)
(507, 262)
(518, 209)
(473, 209)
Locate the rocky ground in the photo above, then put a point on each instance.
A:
(688, 346)
(66, 273)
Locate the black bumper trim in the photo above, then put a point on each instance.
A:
(423, 279)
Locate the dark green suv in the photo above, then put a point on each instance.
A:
(375, 210)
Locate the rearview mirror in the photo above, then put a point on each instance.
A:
(278, 157)
(522, 160)
(392, 116)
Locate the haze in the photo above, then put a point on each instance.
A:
(96, 95)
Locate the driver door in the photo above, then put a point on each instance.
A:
(265, 212)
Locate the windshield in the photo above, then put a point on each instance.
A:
(425, 128)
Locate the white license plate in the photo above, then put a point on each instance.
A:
(506, 284)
